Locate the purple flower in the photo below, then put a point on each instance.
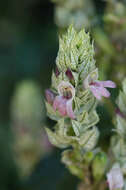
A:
(115, 179)
(98, 88)
(63, 102)
(57, 71)
(49, 96)
(69, 74)
(118, 112)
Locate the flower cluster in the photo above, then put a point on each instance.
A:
(72, 97)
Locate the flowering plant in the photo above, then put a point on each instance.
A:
(71, 101)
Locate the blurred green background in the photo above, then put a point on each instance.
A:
(28, 48)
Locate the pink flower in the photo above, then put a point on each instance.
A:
(49, 96)
(98, 88)
(115, 179)
(118, 112)
(63, 102)
(69, 74)
(57, 71)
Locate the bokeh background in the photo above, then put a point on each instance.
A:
(28, 48)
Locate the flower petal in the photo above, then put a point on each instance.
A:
(56, 102)
(115, 179)
(69, 109)
(69, 74)
(108, 84)
(49, 96)
(91, 78)
(118, 112)
(95, 92)
(63, 86)
(62, 107)
(57, 71)
(104, 92)
(60, 104)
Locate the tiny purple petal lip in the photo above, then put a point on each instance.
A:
(63, 102)
(49, 96)
(108, 84)
(104, 92)
(95, 92)
(66, 89)
(118, 112)
(69, 109)
(98, 88)
(115, 179)
(69, 74)
(57, 71)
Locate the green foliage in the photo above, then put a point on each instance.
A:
(81, 13)
(118, 140)
(76, 54)
(111, 43)
(27, 112)
(99, 165)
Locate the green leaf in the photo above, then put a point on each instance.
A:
(91, 120)
(76, 127)
(121, 125)
(89, 139)
(99, 165)
(55, 139)
(122, 102)
(54, 115)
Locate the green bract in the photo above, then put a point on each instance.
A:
(76, 55)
